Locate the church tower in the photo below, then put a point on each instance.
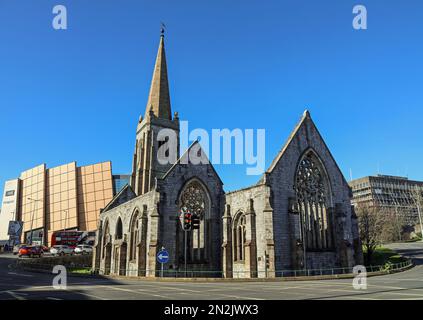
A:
(146, 166)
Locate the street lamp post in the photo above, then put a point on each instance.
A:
(34, 201)
(66, 218)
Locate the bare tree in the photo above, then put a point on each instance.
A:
(417, 196)
(392, 226)
(370, 224)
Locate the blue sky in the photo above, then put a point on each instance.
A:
(77, 94)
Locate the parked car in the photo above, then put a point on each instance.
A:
(45, 249)
(30, 251)
(61, 250)
(83, 249)
(17, 247)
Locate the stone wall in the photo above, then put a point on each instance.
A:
(281, 177)
(251, 201)
(170, 189)
(47, 263)
(145, 203)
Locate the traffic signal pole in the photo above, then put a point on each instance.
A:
(186, 226)
(162, 265)
(189, 222)
(185, 254)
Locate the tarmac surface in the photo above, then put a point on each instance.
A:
(22, 285)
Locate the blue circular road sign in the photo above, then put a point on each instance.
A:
(163, 256)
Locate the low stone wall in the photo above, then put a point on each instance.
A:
(47, 263)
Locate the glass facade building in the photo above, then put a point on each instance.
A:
(66, 197)
(120, 181)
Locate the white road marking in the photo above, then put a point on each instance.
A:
(181, 289)
(20, 275)
(14, 295)
(91, 295)
(136, 291)
(239, 297)
(403, 293)
(349, 298)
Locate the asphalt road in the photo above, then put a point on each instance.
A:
(21, 285)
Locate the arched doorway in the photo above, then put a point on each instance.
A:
(117, 251)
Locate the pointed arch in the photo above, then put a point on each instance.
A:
(119, 229)
(134, 234)
(239, 235)
(106, 247)
(313, 199)
(106, 229)
(194, 197)
(106, 234)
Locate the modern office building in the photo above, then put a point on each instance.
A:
(390, 193)
(66, 197)
(9, 209)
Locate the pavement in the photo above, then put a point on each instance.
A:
(22, 285)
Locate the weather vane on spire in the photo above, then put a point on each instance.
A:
(162, 29)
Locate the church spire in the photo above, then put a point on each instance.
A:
(159, 98)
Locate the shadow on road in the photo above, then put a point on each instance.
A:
(414, 254)
(361, 293)
(17, 284)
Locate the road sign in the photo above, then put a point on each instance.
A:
(15, 228)
(163, 256)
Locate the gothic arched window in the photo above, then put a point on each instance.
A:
(134, 236)
(239, 232)
(313, 192)
(119, 229)
(106, 237)
(194, 199)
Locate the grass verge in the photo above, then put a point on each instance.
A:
(383, 256)
(85, 271)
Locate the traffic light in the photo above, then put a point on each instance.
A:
(187, 221)
(195, 222)
(267, 261)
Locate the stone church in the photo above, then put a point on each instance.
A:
(297, 217)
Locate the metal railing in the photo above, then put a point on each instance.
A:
(321, 272)
(83, 268)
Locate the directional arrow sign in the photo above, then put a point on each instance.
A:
(163, 256)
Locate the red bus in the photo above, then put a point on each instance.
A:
(70, 238)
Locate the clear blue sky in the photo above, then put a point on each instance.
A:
(77, 94)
